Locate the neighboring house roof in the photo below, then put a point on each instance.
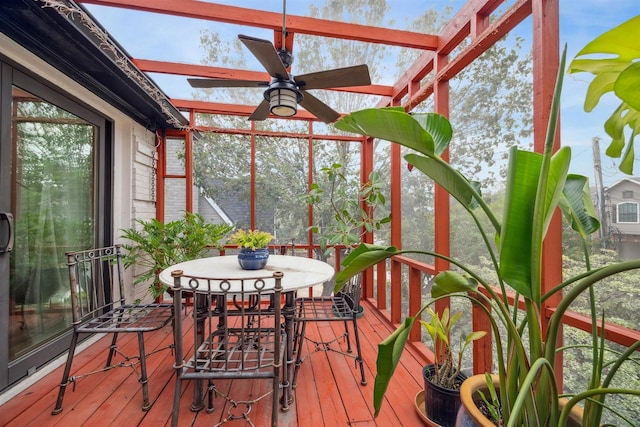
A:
(216, 208)
(235, 208)
(632, 180)
(67, 44)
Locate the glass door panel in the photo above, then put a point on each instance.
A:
(52, 190)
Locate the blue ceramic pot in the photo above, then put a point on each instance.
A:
(253, 259)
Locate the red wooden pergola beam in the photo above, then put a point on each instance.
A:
(278, 134)
(615, 333)
(205, 107)
(455, 31)
(182, 69)
(273, 21)
(288, 42)
(507, 22)
(464, 22)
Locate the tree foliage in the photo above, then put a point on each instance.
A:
(491, 111)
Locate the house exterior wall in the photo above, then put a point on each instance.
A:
(615, 197)
(204, 208)
(624, 236)
(133, 148)
(628, 250)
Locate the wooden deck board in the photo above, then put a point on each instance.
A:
(328, 392)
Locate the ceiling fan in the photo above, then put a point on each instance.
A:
(285, 91)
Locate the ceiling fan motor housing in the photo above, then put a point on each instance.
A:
(285, 57)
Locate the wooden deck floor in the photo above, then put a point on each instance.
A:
(328, 392)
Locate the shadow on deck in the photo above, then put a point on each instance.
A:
(328, 391)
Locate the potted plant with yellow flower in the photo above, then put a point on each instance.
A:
(253, 248)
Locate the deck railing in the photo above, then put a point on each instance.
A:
(395, 288)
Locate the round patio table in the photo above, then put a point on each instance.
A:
(299, 273)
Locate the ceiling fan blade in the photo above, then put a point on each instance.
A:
(340, 77)
(261, 112)
(266, 53)
(209, 83)
(318, 108)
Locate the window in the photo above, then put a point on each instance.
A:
(628, 212)
(627, 194)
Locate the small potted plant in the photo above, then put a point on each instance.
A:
(253, 248)
(443, 378)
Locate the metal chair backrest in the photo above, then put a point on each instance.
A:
(98, 306)
(237, 333)
(96, 282)
(237, 319)
(352, 291)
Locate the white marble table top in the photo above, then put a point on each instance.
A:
(299, 272)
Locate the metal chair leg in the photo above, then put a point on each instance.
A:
(176, 402)
(112, 350)
(144, 379)
(359, 359)
(300, 343)
(347, 336)
(65, 375)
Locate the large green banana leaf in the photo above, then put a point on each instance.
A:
(577, 206)
(522, 237)
(426, 133)
(616, 70)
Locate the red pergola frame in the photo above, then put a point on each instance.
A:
(472, 23)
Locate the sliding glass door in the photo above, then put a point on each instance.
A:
(52, 209)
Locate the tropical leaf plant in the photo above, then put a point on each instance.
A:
(537, 184)
(613, 58)
(447, 363)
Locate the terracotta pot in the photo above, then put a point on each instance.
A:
(470, 416)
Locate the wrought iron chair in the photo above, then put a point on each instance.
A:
(237, 334)
(98, 306)
(341, 307)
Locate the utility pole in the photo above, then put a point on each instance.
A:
(597, 170)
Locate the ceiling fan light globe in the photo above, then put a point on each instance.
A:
(283, 102)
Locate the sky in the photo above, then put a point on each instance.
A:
(153, 36)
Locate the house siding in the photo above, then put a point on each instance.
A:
(623, 236)
(615, 198)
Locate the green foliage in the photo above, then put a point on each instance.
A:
(447, 367)
(618, 71)
(251, 239)
(350, 213)
(156, 245)
(492, 402)
(537, 184)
